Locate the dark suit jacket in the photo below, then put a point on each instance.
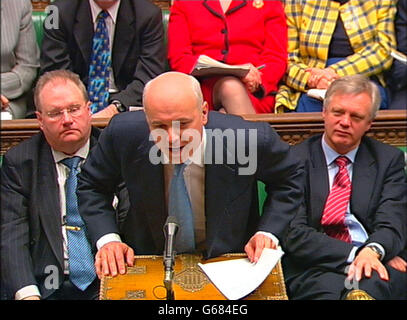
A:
(378, 200)
(398, 71)
(138, 53)
(31, 236)
(231, 201)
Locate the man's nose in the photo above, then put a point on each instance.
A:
(174, 136)
(66, 116)
(345, 120)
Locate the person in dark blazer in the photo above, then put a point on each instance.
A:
(33, 243)
(397, 77)
(221, 184)
(19, 56)
(137, 37)
(318, 263)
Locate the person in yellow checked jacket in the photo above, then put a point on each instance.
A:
(330, 39)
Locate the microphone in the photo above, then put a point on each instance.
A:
(170, 232)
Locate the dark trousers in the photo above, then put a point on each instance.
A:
(68, 291)
(324, 284)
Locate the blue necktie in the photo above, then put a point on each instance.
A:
(180, 207)
(81, 262)
(99, 68)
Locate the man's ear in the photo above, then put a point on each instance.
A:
(39, 118)
(205, 112)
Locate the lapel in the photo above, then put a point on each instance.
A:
(363, 181)
(150, 185)
(83, 30)
(124, 35)
(215, 8)
(318, 182)
(221, 187)
(47, 201)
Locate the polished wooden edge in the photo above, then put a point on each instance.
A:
(277, 270)
(389, 126)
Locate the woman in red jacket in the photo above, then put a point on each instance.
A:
(232, 32)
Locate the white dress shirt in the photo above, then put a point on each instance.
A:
(62, 175)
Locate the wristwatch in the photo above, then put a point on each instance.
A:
(120, 107)
(376, 249)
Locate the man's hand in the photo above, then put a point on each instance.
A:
(4, 102)
(366, 261)
(32, 298)
(398, 263)
(255, 246)
(107, 112)
(112, 258)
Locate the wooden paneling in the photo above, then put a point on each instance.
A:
(390, 126)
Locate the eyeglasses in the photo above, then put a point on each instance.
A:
(73, 111)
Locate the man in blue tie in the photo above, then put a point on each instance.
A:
(45, 253)
(115, 46)
(176, 158)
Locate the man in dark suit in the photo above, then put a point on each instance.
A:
(35, 251)
(397, 75)
(136, 41)
(228, 156)
(346, 241)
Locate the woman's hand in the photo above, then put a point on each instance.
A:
(252, 80)
(321, 78)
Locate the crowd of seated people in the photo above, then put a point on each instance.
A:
(329, 41)
(325, 42)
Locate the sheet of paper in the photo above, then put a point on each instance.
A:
(317, 93)
(237, 278)
(5, 115)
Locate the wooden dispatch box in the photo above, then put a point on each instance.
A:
(144, 281)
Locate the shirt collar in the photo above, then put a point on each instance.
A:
(331, 154)
(82, 152)
(95, 9)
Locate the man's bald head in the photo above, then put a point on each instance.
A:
(174, 86)
(175, 113)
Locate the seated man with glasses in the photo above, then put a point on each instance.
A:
(45, 251)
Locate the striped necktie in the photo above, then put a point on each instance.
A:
(333, 217)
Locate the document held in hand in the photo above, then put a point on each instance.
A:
(206, 66)
(237, 278)
(317, 93)
(400, 56)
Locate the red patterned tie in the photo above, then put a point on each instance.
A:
(333, 218)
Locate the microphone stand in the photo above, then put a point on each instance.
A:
(170, 231)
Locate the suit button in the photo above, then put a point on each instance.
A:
(224, 51)
(224, 31)
(32, 242)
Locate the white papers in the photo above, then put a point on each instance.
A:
(206, 66)
(317, 93)
(399, 56)
(6, 115)
(237, 278)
